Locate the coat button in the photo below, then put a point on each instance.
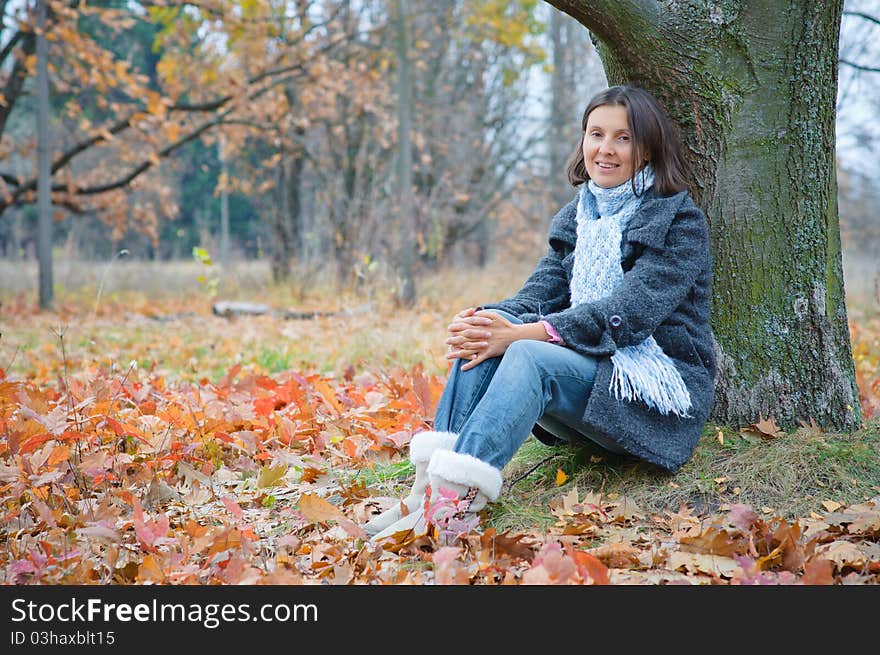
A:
(615, 321)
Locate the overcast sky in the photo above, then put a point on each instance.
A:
(858, 97)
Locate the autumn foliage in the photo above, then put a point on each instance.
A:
(128, 476)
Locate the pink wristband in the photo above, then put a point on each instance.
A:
(551, 332)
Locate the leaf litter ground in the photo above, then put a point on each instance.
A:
(204, 451)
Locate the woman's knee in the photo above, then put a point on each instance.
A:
(524, 352)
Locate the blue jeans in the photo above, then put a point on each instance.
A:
(494, 405)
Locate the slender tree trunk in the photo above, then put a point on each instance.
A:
(753, 85)
(224, 211)
(44, 175)
(281, 238)
(407, 291)
(559, 142)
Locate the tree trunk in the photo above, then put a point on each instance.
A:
(44, 175)
(224, 210)
(407, 293)
(562, 114)
(282, 241)
(753, 86)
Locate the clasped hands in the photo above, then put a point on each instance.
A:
(478, 335)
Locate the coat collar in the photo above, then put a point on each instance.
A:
(648, 225)
(651, 222)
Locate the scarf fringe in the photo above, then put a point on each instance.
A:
(644, 372)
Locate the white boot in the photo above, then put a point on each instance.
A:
(421, 447)
(461, 485)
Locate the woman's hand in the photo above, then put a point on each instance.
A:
(478, 336)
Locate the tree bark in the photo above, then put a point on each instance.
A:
(752, 85)
(44, 174)
(406, 295)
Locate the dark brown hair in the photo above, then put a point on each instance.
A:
(653, 135)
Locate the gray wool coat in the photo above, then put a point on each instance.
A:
(666, 291)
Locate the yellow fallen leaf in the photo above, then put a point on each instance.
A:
(831, 506)
(720, 437)
(720, 480)
(271, 475)
(561, 477)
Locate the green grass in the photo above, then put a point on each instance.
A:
(791, 474)
(387, 479)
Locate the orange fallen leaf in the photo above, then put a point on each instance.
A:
(316, 509)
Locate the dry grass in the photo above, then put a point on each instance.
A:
(790, 476)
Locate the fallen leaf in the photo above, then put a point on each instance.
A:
(618, 555)
(233, 507)
(768, 428)
(742, 516)
(589, 566)
(316, 509)
(702, 563)
(818, 572)
(271, 475)
(561, 477)
(842, 553)
(831, 506)
(512, 546)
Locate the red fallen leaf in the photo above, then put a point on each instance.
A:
(818, 572)
(227, 379)
(551, 566)
(589, 566)
(742, 516)
(233, 507)
(264, 406)
(222, 436)
(150, 532)
(30, 445)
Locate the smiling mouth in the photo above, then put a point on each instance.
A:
(606, 166)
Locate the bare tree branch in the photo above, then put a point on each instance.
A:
(868, 69)
(863, 16)
(16, 79)
(10, 45)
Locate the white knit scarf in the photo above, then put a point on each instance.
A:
(643, 371)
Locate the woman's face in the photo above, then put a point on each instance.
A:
(608, 146)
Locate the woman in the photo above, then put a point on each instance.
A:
(607, 340)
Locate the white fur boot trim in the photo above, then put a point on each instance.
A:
(423, 445)
(466, 470)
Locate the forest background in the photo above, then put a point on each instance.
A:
(253, 151)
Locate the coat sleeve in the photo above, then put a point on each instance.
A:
(545, 291)
(651, 290)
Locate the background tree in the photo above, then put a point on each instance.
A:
(753, 86)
